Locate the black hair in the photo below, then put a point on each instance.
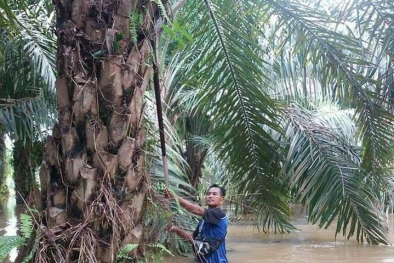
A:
(222, 190)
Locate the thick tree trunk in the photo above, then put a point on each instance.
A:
(93, 181)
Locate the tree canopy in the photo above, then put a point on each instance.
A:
(263, 71)
(27, 69)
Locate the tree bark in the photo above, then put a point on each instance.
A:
(93, 178)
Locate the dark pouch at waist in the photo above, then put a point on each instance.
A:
(204, 246)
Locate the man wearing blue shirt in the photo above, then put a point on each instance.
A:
(212, 225)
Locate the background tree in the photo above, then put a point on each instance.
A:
(27, 80)
(2, 157)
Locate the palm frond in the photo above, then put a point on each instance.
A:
(7, 17)
(27, 95)
(24, 108)
(177, 170)
(289, 50)
(226, 79)
(326, 172)
(344, 53)
(37, 36)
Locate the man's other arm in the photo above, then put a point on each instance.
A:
(182, 233)
(189, 206)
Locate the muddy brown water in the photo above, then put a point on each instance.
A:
(245, 244)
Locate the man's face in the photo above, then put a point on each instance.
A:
(213, 197)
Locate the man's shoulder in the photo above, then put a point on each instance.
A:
(218, 212)
(214, 215)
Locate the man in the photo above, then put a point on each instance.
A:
(212, 225)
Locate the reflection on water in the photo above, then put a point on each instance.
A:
(245, 244)
(8, 218)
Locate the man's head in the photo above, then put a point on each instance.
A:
(215, 196)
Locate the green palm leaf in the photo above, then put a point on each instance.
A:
(326, 172)
(229, 90)
(288, 50)
(27, 72)
(38, 39)
(7, 17)
(24, 108)
(344, 55)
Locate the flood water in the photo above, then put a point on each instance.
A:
(310, 245)
(9, 221)
(246, 245)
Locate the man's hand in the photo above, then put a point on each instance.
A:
(172, 228)
(189, 206)
(180, 232)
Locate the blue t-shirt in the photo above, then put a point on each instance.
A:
(215, 226)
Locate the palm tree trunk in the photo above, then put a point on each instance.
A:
(2, 157)
(195, 154)
(23, 171)
(195, 157)
(93, 178)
